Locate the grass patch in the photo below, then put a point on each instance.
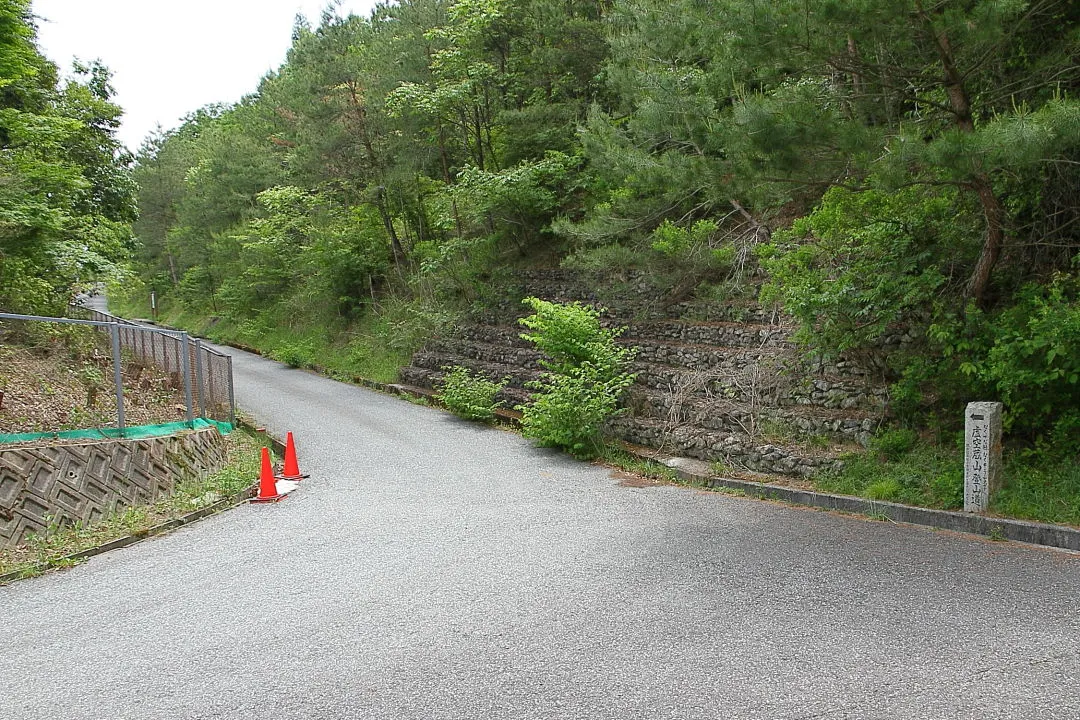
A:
(53, 548)
(365, 348)
(615, 456)
(1040, 489)
(373, 346)
(1036, 486)
(926, 475)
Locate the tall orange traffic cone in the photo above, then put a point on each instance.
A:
(267, 485)
(291, 471)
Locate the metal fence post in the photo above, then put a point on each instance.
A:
(199, 378)
(118, 376)
(185, 367)
(232, 395)
(212, 365)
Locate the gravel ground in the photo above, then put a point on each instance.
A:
(432, 568)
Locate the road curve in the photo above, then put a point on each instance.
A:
(436, 569)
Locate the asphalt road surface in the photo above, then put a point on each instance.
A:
(432, 568)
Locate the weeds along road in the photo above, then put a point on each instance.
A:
(432, 568)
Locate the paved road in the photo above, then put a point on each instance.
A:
(436, 569)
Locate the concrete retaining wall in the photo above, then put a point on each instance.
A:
(80, 483)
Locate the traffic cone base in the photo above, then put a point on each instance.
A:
(268, 492)
(291, 470)
(270, 499)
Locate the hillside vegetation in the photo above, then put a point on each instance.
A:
(67, 198)
(872, 167)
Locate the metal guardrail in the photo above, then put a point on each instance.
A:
(206, 374)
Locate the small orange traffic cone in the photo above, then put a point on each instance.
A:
(291, 471)
(267, 485)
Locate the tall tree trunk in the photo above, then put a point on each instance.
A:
(172, 268)
(360, 113)
(994, 241)
(478, 129)
(446, 177)
(492, 160)
(993, 212)
(420, 212)
(388, 223)
(856, 77)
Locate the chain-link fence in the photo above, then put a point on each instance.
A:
(209, 372)
(173, 361)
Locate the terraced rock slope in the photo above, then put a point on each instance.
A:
(737, 392)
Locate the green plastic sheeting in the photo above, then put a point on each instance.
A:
(130, 433)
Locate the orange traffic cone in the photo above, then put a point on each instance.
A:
(267, 485)
(291, 471)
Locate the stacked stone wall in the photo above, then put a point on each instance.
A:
(733, 388)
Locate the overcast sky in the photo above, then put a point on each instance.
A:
(170, 57)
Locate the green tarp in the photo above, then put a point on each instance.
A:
(130, 433)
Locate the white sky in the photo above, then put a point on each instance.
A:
(171, 57)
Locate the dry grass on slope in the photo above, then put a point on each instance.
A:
(51, 385)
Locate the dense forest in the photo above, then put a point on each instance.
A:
(67, 197)
(867, 165)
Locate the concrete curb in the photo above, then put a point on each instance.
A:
(1058, 536)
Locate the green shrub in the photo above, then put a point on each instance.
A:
(1034, 363)
(862, 262)
(569, 409)
(894, 444)
(570, 335)
(295, 354)
(470, 396)
(587, 375)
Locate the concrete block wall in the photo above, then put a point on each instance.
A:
(82, 482)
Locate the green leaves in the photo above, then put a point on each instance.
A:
(66, 196)
(861, 263)
(1034, 362)
(469, 396)
(587, 375)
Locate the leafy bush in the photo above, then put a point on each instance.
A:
(570, 409)
(586, 376)
(692, 245)
(295, 354)
(570, 335)
(861, 262)
(1034, 363)
(1027, 355)
(470, 396)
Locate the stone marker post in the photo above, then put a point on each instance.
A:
(982, 454)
